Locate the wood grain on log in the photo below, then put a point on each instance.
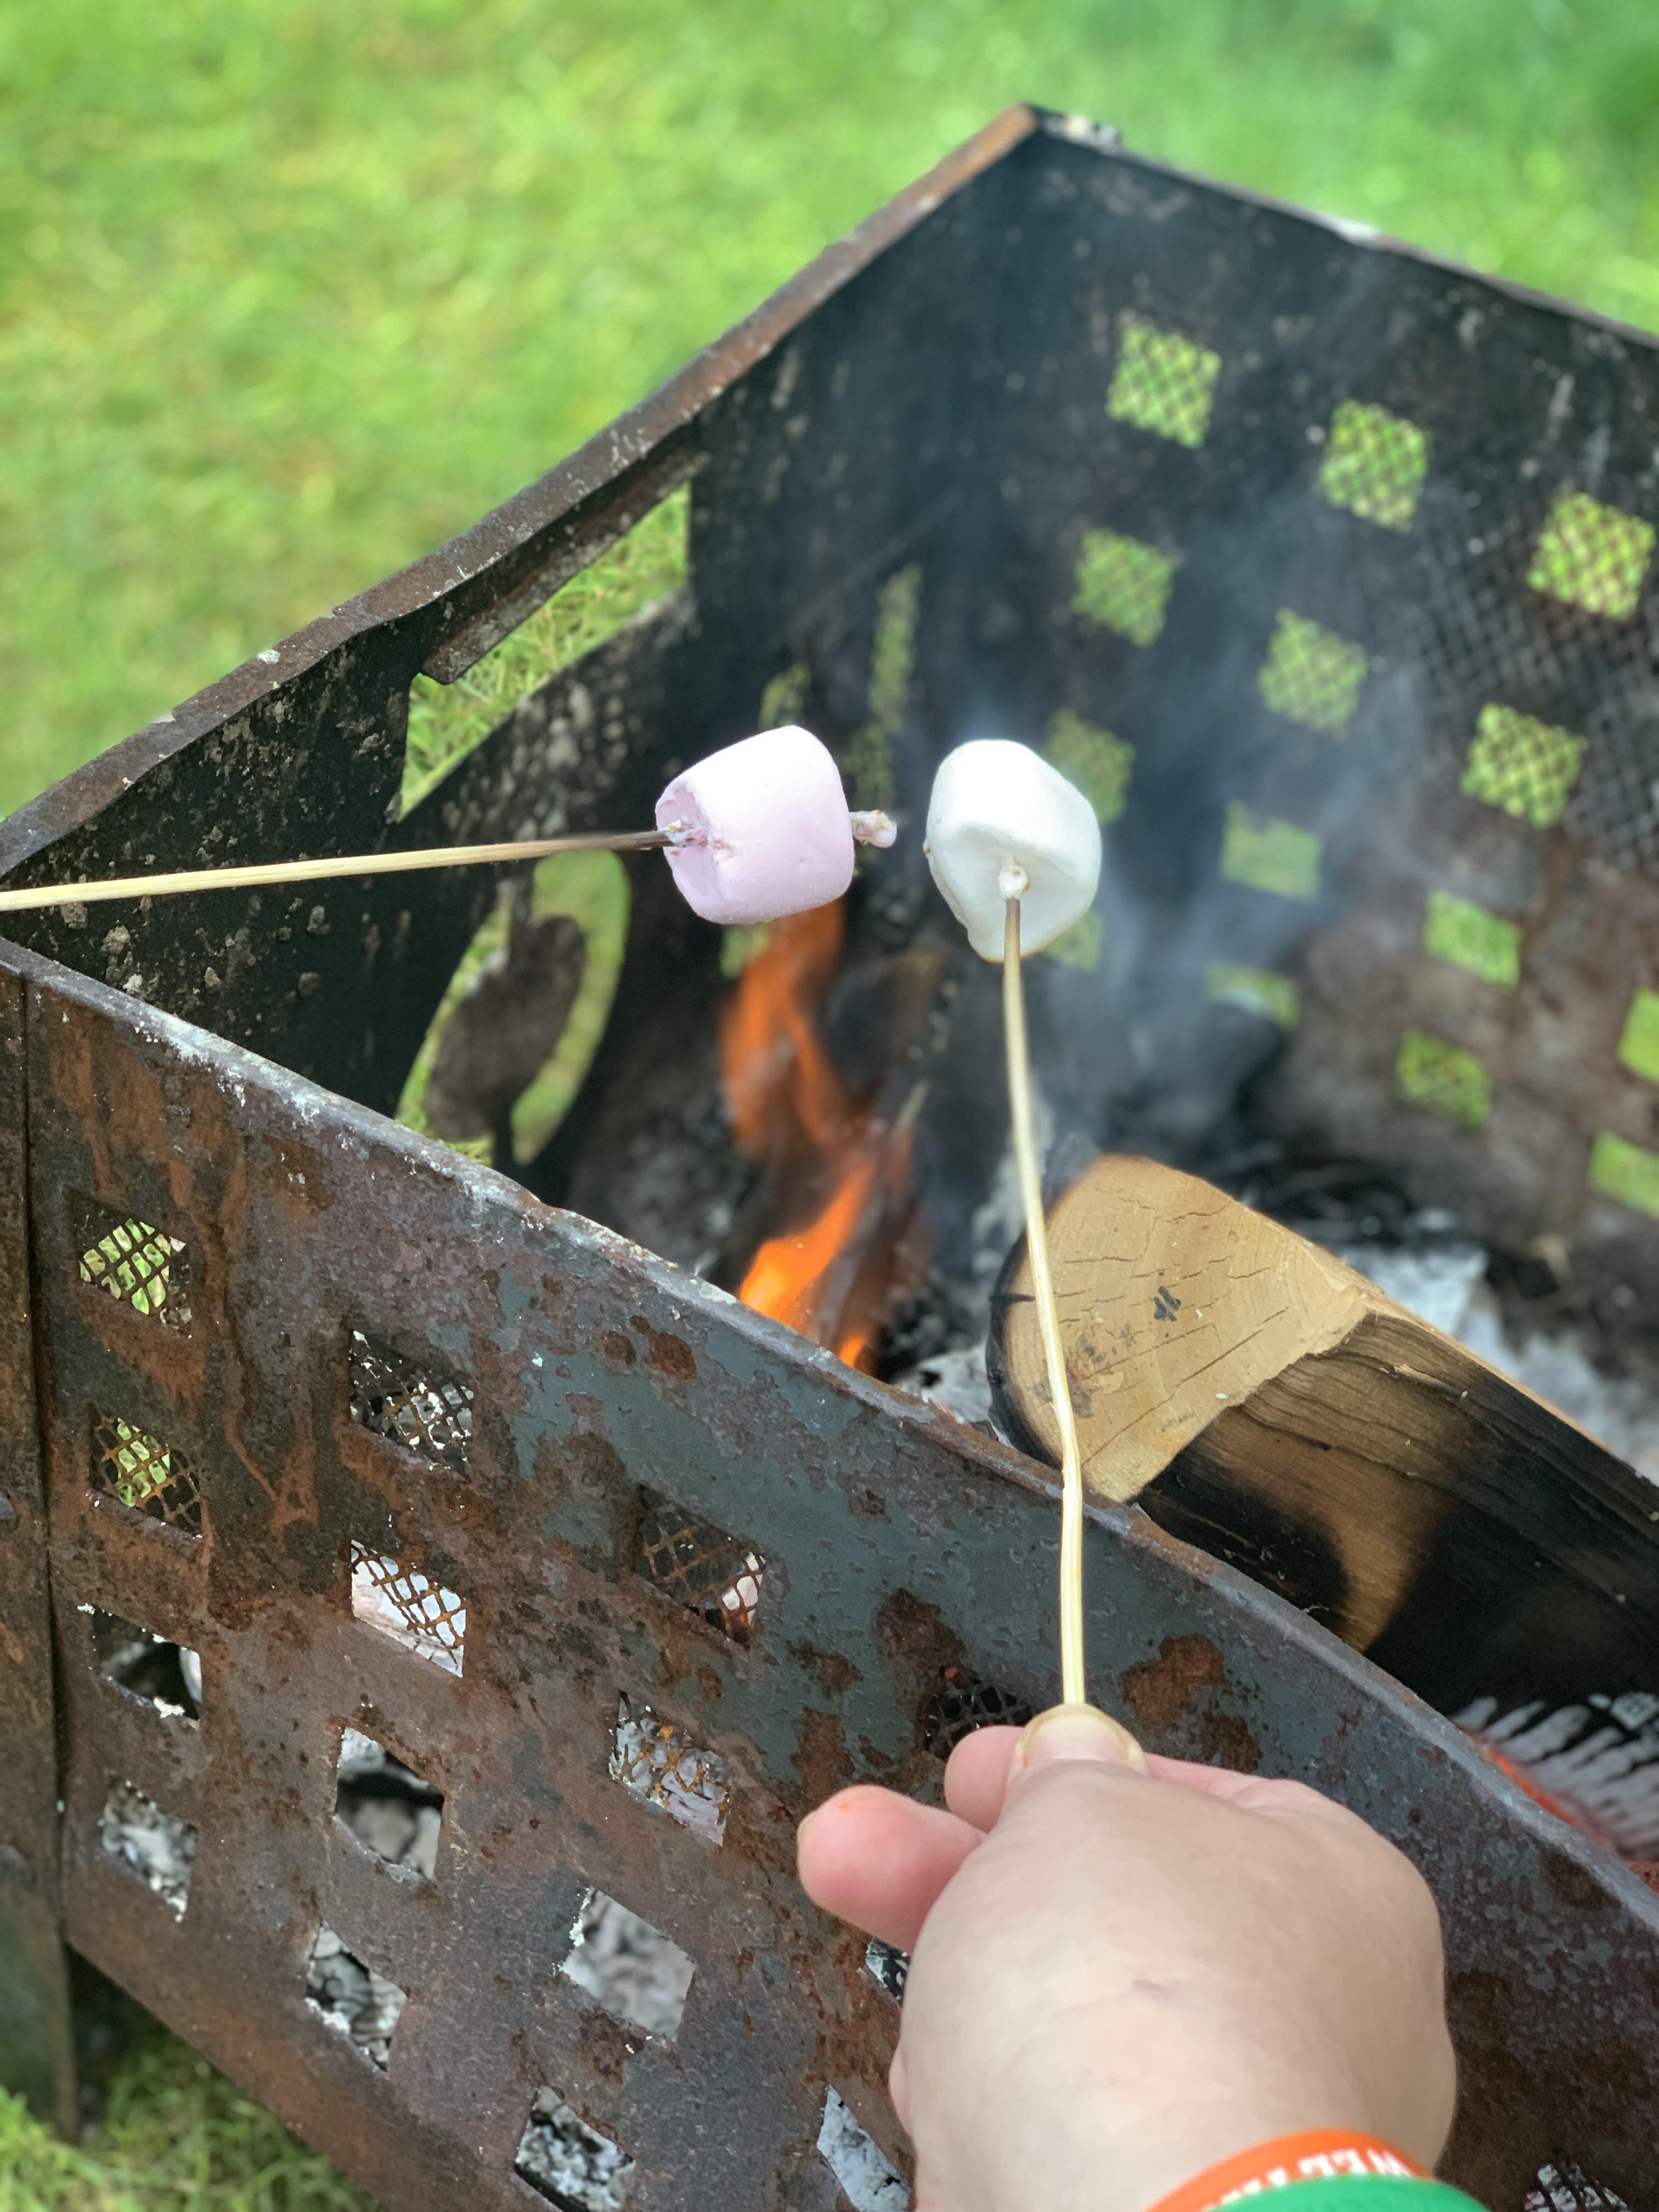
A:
(1260, 1399)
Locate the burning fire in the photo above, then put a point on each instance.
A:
(839, 1173)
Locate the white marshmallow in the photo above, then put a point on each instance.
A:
(765, 827)
(998, 808)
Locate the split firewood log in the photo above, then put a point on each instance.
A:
(1262, 1400)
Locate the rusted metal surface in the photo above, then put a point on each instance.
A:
(36, 2060)
(894, 1544)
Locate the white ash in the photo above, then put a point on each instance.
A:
(1444, 1282)
(633, 1969)
(658, 1762)
(889, 1965)
(956, 1380)
(387, 1806)
(159, 1848)
(352, 1998)
(567, 2162)
(867, 2181)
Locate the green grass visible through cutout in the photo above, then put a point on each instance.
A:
(1592, 557)
(1270, 855)
(1079, 946)
(1374, 465)
(1255, 991)
(1443, 1079)
(1457, 930)
(1122, 585)
(892, 671)
(1164, 384)
(1638, 1048)
(1098, 763)
(1312, 676)
(445, 721)
(1525, 766)
(1620, 1170)
(592, 889)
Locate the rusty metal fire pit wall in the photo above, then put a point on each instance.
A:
(388, 1445)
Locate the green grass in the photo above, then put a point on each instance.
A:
(175, 2137)
(292, 292)
(289, 293)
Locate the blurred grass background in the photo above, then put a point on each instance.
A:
(290, 292)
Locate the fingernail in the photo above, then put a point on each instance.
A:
(1077, 1732)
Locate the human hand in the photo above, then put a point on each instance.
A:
(1125, 1969)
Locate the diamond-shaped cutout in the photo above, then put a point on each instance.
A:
(698, 1565)
(168, 1676)
(1096, 763)
(1442, 1079)
(1163, 383)
(355, 2001)
(410, 1402)
(1592, 557)
(386, 1806)
(961, 1701)
(130, 1468)
(569, 2163)
(1527, 767)
(1267, 854)
(1312, 676)
(157, 1847)
(658, 1762)
(137, 1265)
(410, 1608)
(1254, 991)
(1638, 1047)
(1374, 465)
(635, 1972)
(1626, 1172)
(862, 2172)
(1122, 585)
(1458, 930)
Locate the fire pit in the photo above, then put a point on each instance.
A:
(430, 1595)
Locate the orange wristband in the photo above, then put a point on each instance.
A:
(1319, 2154)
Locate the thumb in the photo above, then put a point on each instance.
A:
(1074, 1732)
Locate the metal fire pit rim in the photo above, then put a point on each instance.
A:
(1129, 1526)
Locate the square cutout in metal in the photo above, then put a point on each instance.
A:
(1265, 853)
(713, 1575)
(1374, 465)
(659, 1763)
(409, 1402)
(887, 1967)
(166, 1675)
(389, 1808)
(411, 1609)
(157, 1846)
(1163, 383)
(569, 2163)
(1122, 585)
(1592, 557)
(130, 1468)
(1527, 767)
(137, 1265)
(862, 2172)
(355, 2001)
(1468, 935)
(1312, 676)
(961, 1701)
(635, 1972)
(1442, 1079)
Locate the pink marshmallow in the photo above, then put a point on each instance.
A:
(766, 828)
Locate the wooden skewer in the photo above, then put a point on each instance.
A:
(1073, 1670)
(312, 872)
(868, 829)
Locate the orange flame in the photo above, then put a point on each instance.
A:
(842, 1175)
